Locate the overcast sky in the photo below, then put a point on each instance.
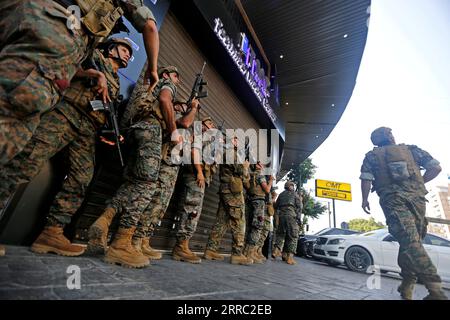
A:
(403, 83)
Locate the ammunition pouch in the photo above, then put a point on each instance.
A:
(99, 16)
(236, 185)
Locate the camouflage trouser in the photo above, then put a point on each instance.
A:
(54, 133)
(38, 58)
(191, 209)
(142, 172)
(231, 213)
(255, 218)
(154, 213)
(265, 231)
(407, 223)
(287, 234)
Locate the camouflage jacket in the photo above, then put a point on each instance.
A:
(80, 94)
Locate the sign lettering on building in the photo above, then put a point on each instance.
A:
(250, 67)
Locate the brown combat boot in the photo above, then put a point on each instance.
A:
(137, 244)
(148, 251)
(212, 255)
(276, 253)
(2, 250)
(123, 252)
(98, 232)
(406, 289)
(290, 259)
(53, 240)
(435, 291)
(241, 259)
(181, 252)
(251, 254)
(260, 254)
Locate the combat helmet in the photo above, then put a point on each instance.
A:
(167, 69)
(380, 136)
(113, 41)
(288, 184)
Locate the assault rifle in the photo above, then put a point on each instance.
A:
(111, 108)
(197, 89)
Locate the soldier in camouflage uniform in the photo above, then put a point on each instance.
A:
(257, 193)
(196, 177)
(394, 171)
(42, 46)
(159, 203)
(289, 207)
(268, 214)
(151, 120)
(167, 178)
(231, 211)
(72, 124)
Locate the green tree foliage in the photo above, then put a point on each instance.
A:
(365, 225)
(311, 207)
(301, 173)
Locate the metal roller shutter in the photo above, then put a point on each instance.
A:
(177, 48)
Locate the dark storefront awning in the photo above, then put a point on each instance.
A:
(321, 43)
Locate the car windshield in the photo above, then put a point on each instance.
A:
(373, 233)
(322, 231)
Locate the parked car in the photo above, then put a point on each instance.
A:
(378, 248)
(305, 243)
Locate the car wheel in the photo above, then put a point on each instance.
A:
(358, 259)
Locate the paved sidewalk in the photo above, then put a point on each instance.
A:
(25, 275)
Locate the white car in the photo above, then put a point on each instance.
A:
(378, 248)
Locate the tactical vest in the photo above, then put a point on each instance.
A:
(79, 95)
(395, 164)
(99, 16)
(255, 188)
(144, 104)
(286, 199)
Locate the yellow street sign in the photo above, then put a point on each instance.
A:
(333, 190)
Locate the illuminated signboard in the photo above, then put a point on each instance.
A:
(245, 59)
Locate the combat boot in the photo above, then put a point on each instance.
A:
(241, 259)
(53, 240)
(98, 232)
(406, 289)
(148, 251)
(284, 256)
(435, 291)
(212, 255)
(251, 254)
(260, 254)
(276, 253)
(137, 244)
(123, 252)
(2, 250)
(290, 259)
(181, 252)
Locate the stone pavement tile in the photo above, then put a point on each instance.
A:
(30, 276)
